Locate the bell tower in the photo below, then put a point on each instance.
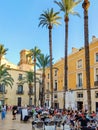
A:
(26, 62)
(23, 57)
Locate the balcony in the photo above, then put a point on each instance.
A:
(55, 96)
(96, 83)
(96, 95)
(3, 92)
(48, 96)
(55, 89)
(19, 92)
(30, 93)
(79, 86)
(47, 91)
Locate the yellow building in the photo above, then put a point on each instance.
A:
(19, 94)
(76, 96)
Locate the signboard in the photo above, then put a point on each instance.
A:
(70, 100)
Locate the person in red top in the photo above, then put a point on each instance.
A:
(64, 112)
(93, 114)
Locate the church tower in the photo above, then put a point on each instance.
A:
(26, 63)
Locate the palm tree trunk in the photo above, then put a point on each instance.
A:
(35, 82)
(87, 60)
(43, 90)
(66, 59)
(29, 95)
(0, 60)
(51, 75)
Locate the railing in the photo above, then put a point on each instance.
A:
(19, 92)
(48, 96)
(47, 90)
(79, 86)
(3, 92)
(30, 93)
(55, 89)
(95, 83)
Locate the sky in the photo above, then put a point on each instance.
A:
(19, 20)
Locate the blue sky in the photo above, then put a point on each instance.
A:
(19, 29)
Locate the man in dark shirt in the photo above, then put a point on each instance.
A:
(83, 122)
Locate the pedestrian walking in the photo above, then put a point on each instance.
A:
(14, 112)
(3, 112)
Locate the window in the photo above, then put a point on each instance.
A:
(48, 86)
(96, 94)
(96, 57)
(47, 95)
(55, 73)
(20, 89)
(30, 90)
(79, 95)
(20, 77)
(79, 63)
(96, 74)
(48, 75)
(55, 85)
(55, 96)
(79, 78)
(96, 78)
(2, 88)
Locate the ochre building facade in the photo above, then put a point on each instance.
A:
(76, 96)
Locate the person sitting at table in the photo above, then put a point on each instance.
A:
(51, 117)
(83, 122)
(38, 117)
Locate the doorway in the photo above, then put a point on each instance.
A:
(56, 105)
(79, 105)
(19, 101)
(96, 106)
(30, 102)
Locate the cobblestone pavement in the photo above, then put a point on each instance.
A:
(9, 124)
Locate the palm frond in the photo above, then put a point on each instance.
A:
(49, 17)
(67, 6)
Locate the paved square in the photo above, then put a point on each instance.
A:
(9, 124)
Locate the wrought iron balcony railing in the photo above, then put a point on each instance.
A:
(19, 92)
(30, 93)
(3, 92)
(55, 89)
(79, 86)
(95, 83)
(47, 91)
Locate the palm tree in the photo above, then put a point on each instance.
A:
(85, 6)
(30, 80)
(43, 62)
(34, 53)
(2, 51)
(67, 7)
(50, 18)
(5, 78)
